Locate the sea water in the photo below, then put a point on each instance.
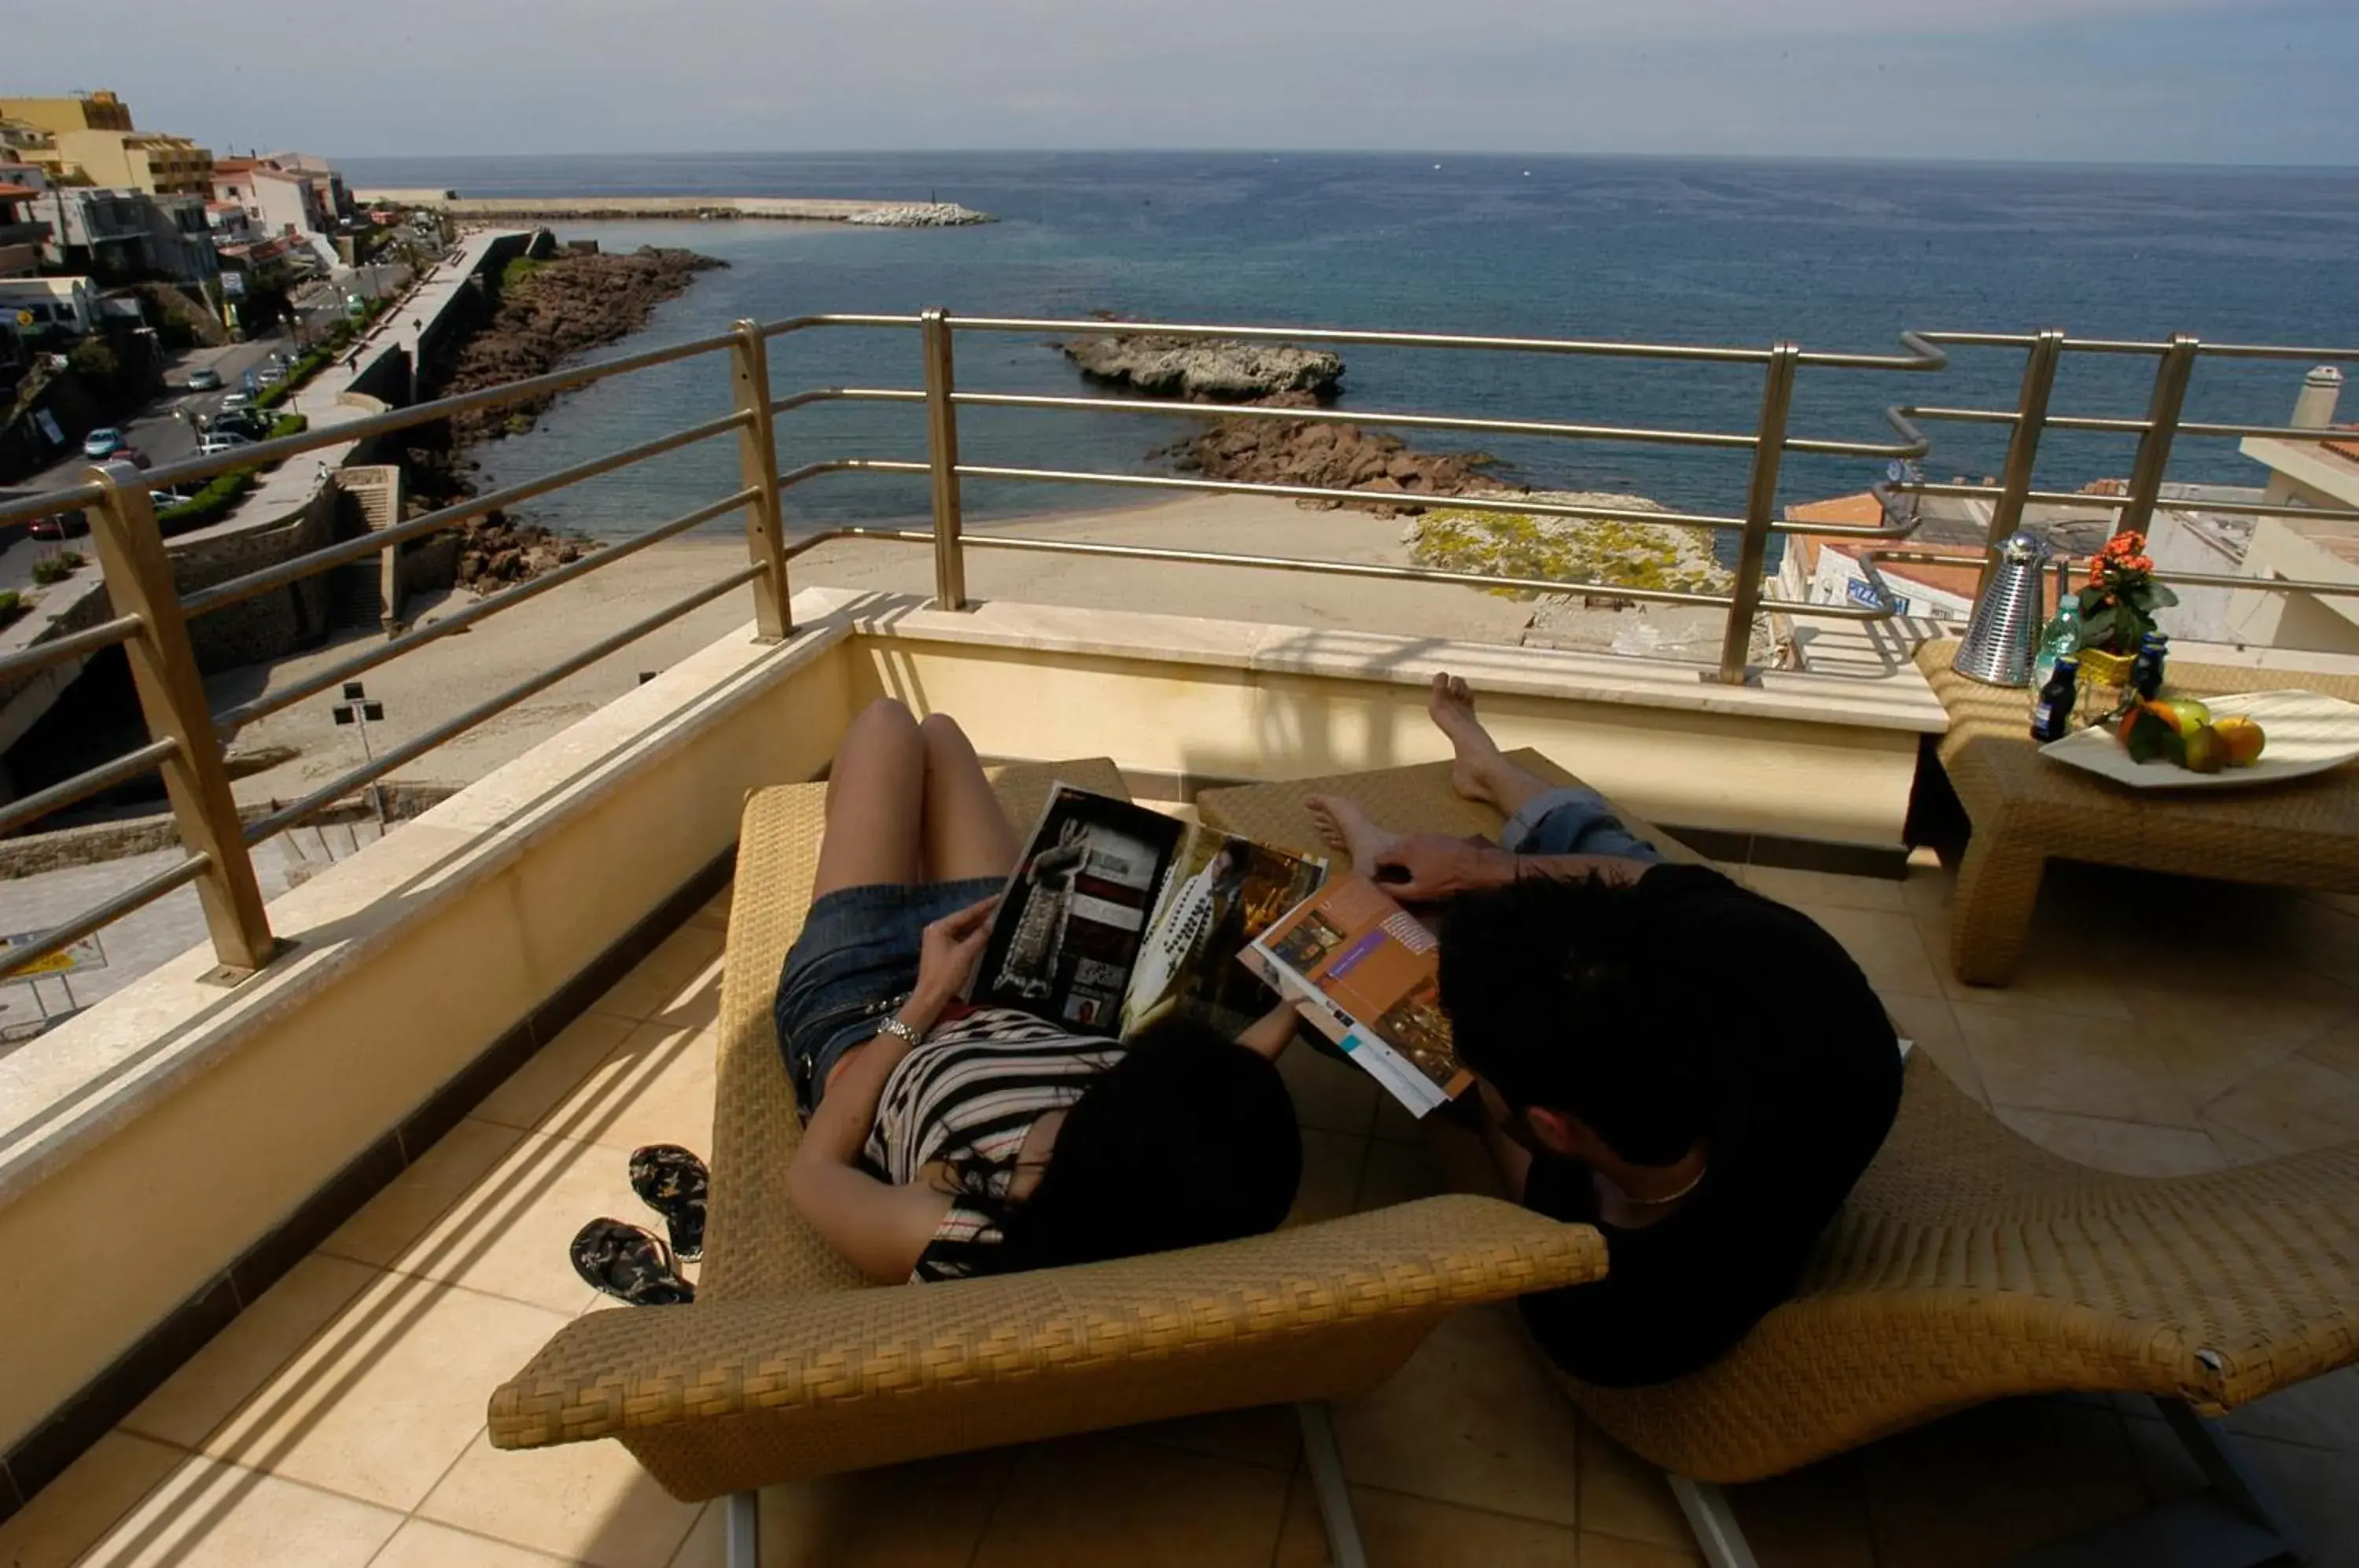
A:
(1833, 254)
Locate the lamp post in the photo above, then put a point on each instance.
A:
(359, 711)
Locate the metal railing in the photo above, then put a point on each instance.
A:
(2176, 358)
(149, 618)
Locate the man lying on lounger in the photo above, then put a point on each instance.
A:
(1698, 1070)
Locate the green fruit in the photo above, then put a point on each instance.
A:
(2186, 716)
(2206, 751)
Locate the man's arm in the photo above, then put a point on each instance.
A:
(1423, 868)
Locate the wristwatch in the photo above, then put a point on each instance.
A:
(900, 1032)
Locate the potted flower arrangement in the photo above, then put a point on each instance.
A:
(2118, 608)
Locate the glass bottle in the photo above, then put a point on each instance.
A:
(2051, 711)
(2059, 639)
(2146, 670)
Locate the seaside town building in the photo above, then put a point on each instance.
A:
(22, 235)
(89, 139)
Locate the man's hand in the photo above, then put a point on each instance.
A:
(1426, 866)
(946, 960)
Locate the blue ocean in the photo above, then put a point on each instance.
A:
(1836, 255)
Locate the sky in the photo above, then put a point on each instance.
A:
(2268, 81)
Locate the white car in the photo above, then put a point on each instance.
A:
(214, 444)
(236, 401)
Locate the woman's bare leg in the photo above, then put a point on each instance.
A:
(1479, 771)
(964, 833)
(875, 796)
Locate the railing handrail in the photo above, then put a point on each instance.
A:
(186, 741)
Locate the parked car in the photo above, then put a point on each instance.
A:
(236, 401)
(104, 441)
(59, 525)
(204, 380)
(219, 441)
(245, 422)
(271, 375)
(159, 499)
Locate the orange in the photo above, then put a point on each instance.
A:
(2243, 738)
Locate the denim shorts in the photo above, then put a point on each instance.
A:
(853, 964)
(1572, 822)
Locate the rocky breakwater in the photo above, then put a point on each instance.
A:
(920, 215)
(546, 311)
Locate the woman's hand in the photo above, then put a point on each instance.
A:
(952, 947)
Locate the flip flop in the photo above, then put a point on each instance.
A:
(673, 1182)
(628, 1264)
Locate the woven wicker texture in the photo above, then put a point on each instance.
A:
(1407, 800)
(1970, 1263)
(788, 1366)
(2025, 809)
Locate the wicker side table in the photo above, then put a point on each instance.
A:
(2026, 809)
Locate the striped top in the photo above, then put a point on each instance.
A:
(970, 1091)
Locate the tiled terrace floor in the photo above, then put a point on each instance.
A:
(2160, 1027)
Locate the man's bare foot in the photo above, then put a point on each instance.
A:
(1344, 827)
(1475, 772)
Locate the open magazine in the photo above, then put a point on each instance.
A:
(1116, 915)
(1369, 976)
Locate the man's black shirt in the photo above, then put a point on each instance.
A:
(1806, 1083)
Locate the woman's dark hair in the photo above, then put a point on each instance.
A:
(1570, 995)
(1189, 1139)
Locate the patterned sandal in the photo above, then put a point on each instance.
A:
(673, 1182)
(628, 1264)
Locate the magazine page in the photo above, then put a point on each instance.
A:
(1222, 892)
(1068, 930)
(1370, 973)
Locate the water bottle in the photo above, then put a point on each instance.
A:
(2061, 641)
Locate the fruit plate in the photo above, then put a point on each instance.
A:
(2308, 732)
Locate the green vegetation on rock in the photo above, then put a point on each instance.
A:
(1586, 554)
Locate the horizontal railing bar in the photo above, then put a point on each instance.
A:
(848, 395)
(136, 897)
(1357, 416)
(2274, 351)
(57, 649)
(1981, 340)
(1349, 497)
(835, 319)
(491, 707)
(282, 447)
(1923, 354)
(229, 722)
(2271, 432)
(1322, 568)
(2179, 579)
(82, 785)
(318, 561)
(2100, 422)
(1916, 447)
(2116, 503)
(1092, 327)
(47, 502)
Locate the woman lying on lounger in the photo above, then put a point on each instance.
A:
(939, 1140)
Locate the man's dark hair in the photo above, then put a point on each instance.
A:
(1570, 995)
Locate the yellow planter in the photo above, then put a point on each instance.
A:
(2099, 668)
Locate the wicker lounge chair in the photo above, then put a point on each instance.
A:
(788, 1366)
(1971, 1264)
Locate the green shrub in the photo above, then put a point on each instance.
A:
(57, 567)
(95, 358)
(207, 504)
(12, 604)
(516, 271)
(289, 425)
(302, 370)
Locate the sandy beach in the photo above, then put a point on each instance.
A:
(445, 677)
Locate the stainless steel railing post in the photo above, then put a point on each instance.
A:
(2161, 424)
(2023, 446)
(172, 697)
(757, 470)
(942, 455)
(1760, 511)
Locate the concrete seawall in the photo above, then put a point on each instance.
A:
(587, 209)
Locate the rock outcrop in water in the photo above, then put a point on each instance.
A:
(1205, 370)
(1332, 456)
